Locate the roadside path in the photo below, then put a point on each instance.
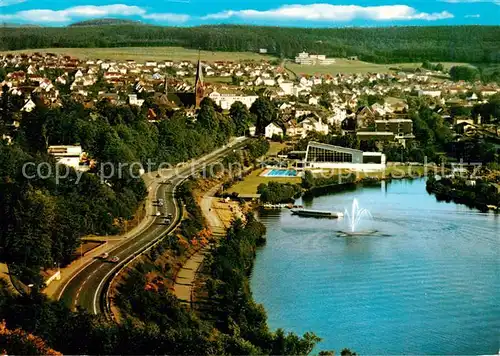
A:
(184, 281)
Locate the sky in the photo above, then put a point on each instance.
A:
(297, 13)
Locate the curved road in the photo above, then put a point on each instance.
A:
(88, 284)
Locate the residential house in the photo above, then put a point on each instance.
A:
(71, 156)
(28, 106)
(435, 93)
(132, 100)
(273, 129)
(314, 124)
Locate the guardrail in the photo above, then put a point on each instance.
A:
(104, 298)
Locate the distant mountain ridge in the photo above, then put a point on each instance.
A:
(8, 24)
(106, 22)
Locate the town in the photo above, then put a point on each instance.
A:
(371, 106)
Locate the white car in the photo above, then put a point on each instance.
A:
(158, 213)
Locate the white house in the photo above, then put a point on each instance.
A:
(287, 88)
(269, 82)
(313, 100)
(273, 129)
(313, 124)
(435, 93)
(338, 115)
(132, 100)
(28, 106)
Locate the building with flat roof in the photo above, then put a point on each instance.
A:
(310, 59)
(324, 156)
(71, 156)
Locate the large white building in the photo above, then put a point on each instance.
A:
(324, 156)
(226, 100)
(309, 59)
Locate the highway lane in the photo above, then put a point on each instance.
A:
(86, 287)
(80, 290)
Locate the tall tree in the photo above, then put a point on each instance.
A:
(241, 117)
(265, 113)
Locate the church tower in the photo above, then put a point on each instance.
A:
(199, 86)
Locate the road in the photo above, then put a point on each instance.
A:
(87, 286)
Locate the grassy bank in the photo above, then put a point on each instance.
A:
(250, 183)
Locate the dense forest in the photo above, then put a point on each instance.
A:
(474, 44)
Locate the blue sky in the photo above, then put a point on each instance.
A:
(303, 13)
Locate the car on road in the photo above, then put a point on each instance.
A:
(114, 259)
(104, 255)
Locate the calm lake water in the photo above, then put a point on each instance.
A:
(431, 286)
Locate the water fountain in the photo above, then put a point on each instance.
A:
(353, 219)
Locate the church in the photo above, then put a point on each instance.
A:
(188, 100)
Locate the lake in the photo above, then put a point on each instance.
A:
(428, 285)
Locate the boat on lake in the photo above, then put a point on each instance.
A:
(317, 213)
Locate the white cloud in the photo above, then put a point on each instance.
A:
(67, 15)
(89, 11)
(473, 16)
(328, 12)
(42, 16)
(167, 17)
(10, 2)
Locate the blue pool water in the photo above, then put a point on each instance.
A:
(429, 286)
(281, 173)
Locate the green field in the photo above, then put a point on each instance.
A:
(349, 67)
(142, 54)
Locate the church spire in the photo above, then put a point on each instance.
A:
(199, 86)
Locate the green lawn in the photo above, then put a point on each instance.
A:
(275, 148)
(348, 67)
(141, 54)
(251, 182)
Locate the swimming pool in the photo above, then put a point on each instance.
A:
(280, 173)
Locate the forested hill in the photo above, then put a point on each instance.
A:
(105, 21)
(381, 45)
